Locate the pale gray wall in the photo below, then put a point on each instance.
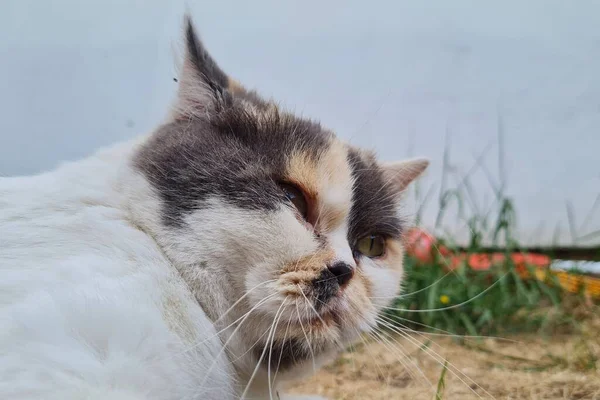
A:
(394, 75)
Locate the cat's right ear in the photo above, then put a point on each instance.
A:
(202, 84)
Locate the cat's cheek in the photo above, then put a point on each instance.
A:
(359, 313)
(287, 243)
(260, 285)
(384, 282)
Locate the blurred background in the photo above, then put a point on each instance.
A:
(503, 97)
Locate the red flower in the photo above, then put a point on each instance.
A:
(480, 262)
(420, 245)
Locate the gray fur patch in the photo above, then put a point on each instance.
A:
(374, 208)
(230, 151)
(234, 155)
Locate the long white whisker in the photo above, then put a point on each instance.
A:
(311, 306)
(405, 295)
(312, 354)
(452, 306)
(270, 359)
(445, 333)
(271, 331)
(241, 298)
(438, 358)
(261, 302)
(382, 336)
(224, 347)
(281, 350)
(370, 355)
(377, 336)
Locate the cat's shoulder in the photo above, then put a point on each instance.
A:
(88, 298)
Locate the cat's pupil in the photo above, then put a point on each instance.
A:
(296, 197)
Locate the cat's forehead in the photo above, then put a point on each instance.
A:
(240, 152)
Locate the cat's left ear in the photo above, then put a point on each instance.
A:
(202, 84)
(400, 174)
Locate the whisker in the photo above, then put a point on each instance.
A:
(391, 346)
(271, 332)
(261, 302)
(307, 339)
(384, 324)
(333, 335)
(446, 333)
(250, 348)
(438, 358)
(270, 385)
(311, 306)
(281, 350)
(370, 355)
(452, 306)
(402, 296)
(224, 347)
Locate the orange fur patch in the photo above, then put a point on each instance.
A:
(303, 272)
(328, 183)
(309, 265)
(303, 170)
(336, 174)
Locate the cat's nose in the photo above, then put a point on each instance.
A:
(342, 272)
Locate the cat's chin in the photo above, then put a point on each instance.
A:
(298, 356)
(291, 354)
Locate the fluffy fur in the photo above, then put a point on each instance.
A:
(174, 267)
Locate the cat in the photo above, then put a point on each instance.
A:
(233, 250)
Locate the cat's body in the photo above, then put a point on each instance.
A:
(218, 257)
(97, 311)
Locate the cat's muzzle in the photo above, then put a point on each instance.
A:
(331, 282)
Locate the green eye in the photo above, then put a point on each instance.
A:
(296, 197)
(371, 246)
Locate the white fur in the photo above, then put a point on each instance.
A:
(339, 241)
(90, 307)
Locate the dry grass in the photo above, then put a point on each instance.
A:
(526, 367)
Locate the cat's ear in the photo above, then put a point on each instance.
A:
(400, 174)
(201, 82)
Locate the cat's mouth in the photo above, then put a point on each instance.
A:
(311, 319)
(282, 355)
(303, 340)
(328, 316)
(285, 354)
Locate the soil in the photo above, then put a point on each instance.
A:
(523, 367)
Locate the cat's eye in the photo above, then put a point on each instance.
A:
(296, 197)
(371, 246)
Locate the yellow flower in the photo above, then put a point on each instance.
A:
(444, 299)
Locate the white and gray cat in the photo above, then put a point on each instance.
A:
(233, 250)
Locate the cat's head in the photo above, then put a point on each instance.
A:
(260, 205)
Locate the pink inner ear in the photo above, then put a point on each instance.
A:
(401, 173)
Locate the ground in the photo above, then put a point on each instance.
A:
(522, 367)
